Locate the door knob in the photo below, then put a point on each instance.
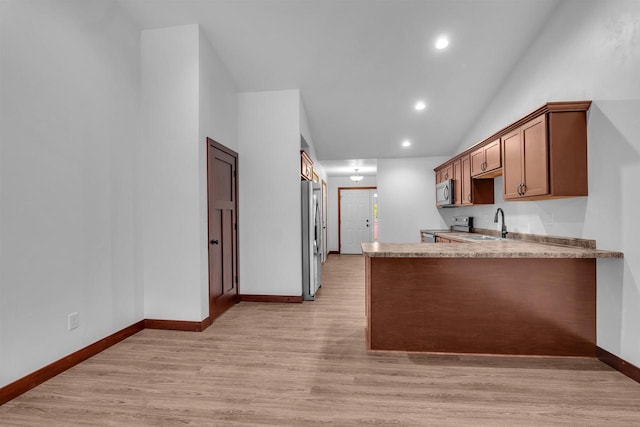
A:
(214, 242)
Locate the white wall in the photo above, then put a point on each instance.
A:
(218, 101)
(187, 96)
(305, 131)
(333, 183)
(406, 197)
(170, 169)
(269, 217)
(589, 50)
(69, 139)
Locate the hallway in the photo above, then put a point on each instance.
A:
(305, 364)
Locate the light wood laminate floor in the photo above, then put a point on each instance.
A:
(306, 364)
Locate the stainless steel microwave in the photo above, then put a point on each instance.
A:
(444, 194)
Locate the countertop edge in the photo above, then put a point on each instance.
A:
(483, 250)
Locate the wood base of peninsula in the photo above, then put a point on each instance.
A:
(515, 306)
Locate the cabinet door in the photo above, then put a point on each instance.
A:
(535, 154)
(492, 155)
(447, 172)
(438, 177)
(512, 165)
(467, 197)
(477, 160)
(457, 182)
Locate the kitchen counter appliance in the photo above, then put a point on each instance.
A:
(461, 224)
(444, 194)
(311, 239)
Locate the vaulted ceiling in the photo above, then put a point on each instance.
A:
(361, 65)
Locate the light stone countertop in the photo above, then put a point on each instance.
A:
(483, 249)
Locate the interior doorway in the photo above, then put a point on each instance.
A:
(357, 218)
(222, 195)
(324, 220)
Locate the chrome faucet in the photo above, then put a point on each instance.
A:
(504, 226)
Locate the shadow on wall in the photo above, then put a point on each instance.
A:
(614, 153)
(612, 214)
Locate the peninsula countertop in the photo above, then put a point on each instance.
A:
(484, 249)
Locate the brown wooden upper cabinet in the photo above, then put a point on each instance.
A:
(444, 173)
(447, 172)
(306, 166)
(486, 159)
(543, 155)
(546, 157)
(439, 176)
(466, 190)
(466, 185)
(457, 182)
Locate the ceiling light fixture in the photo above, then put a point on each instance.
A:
(442, 42)
(406, 143)
(420, 105)
(356, 177)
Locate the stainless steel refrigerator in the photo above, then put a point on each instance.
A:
(311, 239)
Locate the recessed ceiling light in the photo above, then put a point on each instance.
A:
(420, 105)
(442, 42)
(406, 143)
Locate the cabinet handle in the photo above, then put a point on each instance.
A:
(483, 166)
(469, 197)
(522, 189)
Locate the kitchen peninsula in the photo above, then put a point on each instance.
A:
(498, 297)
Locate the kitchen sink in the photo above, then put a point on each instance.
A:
(483, 237)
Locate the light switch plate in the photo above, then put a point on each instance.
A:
(73, 321)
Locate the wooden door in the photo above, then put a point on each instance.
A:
(512, 165)
(222, 192)
(536, 166)
(457, 182)
(325, 209)
(465, 169)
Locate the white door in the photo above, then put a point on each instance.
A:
(356, 220)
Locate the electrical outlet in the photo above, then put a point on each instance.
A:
(73, 321)
(550, 219)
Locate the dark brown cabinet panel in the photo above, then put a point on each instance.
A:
(486, 159)
(474, 191)
(534, 157)
(444, 173)
(546, 158)
(439, 176)
(457, 182)
(512, 168)
(466, 190)
(447, 172)
(466, 195)
(543, 155)
(525, 153)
